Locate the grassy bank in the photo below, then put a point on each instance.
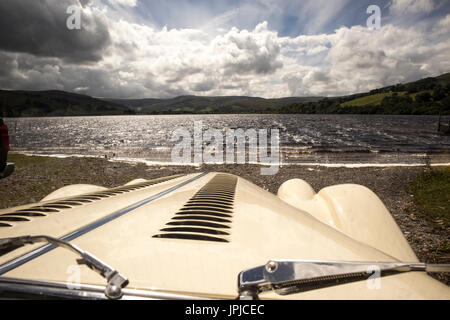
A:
(431, 203)
(431, 192)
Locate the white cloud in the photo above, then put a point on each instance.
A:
(187, 60)
(400, 7)
(360, 60)
(444, 24)
(130, 3)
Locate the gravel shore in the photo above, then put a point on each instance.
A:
(35, 177)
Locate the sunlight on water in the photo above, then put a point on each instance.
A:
(304, 138)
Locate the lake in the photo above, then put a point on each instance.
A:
(304, 139)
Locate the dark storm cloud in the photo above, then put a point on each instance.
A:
(28, 72)
(39, 27)
(7, 66)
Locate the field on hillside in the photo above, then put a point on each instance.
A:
(374, 99)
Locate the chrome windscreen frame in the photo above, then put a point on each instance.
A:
(11, 288)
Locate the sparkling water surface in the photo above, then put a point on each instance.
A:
(304, 138)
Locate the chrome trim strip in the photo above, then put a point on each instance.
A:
(92, 292)
(10, 265)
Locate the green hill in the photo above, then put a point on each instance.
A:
(196, 104)
(425, 96)
(55, 103)
(413, 89)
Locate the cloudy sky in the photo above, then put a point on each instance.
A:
(266, 48)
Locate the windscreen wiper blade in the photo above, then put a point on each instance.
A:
(293, 276)
(115, 281)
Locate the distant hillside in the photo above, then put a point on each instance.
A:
(413, 89)
(196, 104)
(60, 103)
(426, 96)
(55, 103)
(444, 79)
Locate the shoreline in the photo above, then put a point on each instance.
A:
(37, 176)
(170, 164)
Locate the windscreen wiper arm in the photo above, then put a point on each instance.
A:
(294, 276)
(115, 281)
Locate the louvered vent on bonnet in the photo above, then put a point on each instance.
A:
(207, 216)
